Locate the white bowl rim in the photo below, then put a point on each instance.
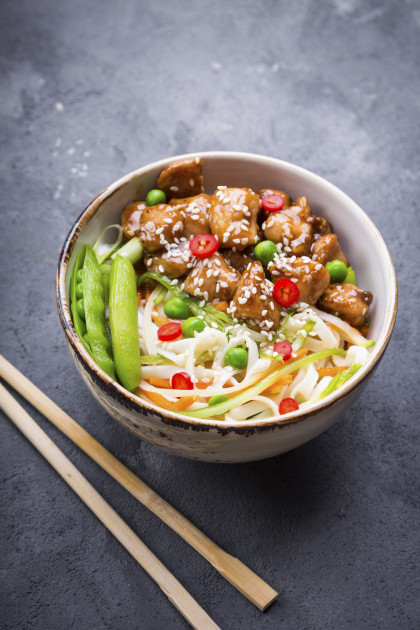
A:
(139, 403)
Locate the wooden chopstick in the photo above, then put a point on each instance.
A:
(232, 569)
(176, 593)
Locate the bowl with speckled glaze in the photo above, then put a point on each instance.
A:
(213, 440)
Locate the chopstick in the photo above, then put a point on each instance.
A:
(173, 589)
(232, 569)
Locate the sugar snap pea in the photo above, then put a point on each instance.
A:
(123, 320)
(94, 306)
(76, 293)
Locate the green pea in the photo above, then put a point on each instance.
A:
(79, 275)
(337, 270)
(265, 252)
(351, 276)
(79, 290)
(175, 308)
(155, 196)
(236, 358)
(192, 325)
(80, 307)
(215, 400)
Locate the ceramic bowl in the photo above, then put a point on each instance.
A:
(211, 440)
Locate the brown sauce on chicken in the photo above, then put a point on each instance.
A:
(234, 216)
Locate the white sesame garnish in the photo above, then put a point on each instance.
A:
(174, 188)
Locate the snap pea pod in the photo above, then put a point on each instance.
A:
(105, 271)
(94, 307)
(76, 295)
(123, 320)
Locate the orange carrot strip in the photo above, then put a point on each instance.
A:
(275, 388)
(185, 402)
(161, 401)
(331, 371)
(299, 355)
(201, 385)
(159, 319)
(160, 382)
(220, 306)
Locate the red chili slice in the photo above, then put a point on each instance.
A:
(285, 292)
(284, 348)
(169, 332)
(181, 380)
(287, 405)
(273, 202)
(204, 245)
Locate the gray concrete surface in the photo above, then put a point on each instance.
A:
(91, 90)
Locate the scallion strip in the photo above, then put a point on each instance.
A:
(155, 359)
(339, 379)
(112, 247)
(133, 250)
(255, 390)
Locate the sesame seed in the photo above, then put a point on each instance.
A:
(174, 188)
(192, 182)
(202, 303)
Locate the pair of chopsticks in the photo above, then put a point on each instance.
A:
(232, 569)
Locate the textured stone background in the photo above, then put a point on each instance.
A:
(91, 90)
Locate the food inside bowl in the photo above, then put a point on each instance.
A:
(230, 306)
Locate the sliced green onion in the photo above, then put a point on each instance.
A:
(112, 247)
(264, 355)
(303, 334)
(133, 250)
(155, 359)
(203, 358)
(255, 390)
(161, 296)
(339, 379)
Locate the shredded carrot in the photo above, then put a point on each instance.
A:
(139, 299)
(299, 355)
(201, 385)
(221, 306)
(160, 382)
(283, 380)
(161, 401)
(331, 371)
(159, 319)
(148, 294)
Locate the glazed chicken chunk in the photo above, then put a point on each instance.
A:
(233, 216)
(311, 278)
(238, 260)
(130, 218)
(291, 228)
(174, 262)
(253, 299)
(160, 225)
(182, 178)
(347, 302)
(327, 248)
(212, 278)
(195, 213)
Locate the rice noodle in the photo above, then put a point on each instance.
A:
(327, 332)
